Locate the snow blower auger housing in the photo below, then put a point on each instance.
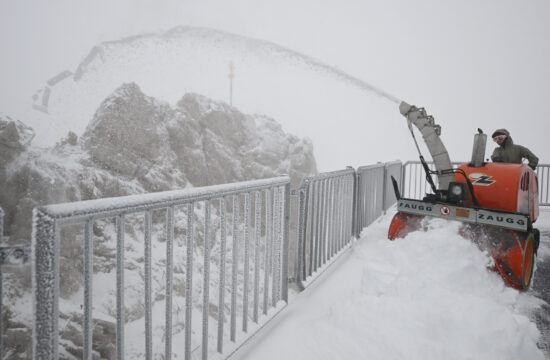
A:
(496, 202)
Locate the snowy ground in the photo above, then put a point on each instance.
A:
(428, 296)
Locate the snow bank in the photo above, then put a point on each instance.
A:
(428, 296)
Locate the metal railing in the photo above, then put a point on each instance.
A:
(369, 195)
(415, 186)
(241, 233)
(413, 182)
(264, 239)
(374, 192)
(543, 175)
(9, 256)
(325, 221)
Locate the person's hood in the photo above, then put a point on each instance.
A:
(508, 140)
(503, 131)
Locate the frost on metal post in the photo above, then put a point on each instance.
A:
(235, 269)
(302, 193)
(120, 287)
(45, 285)
(246, 259)
(206, 280)
(88, 289)
(276, 252)
(148, 288)
(189, 279)
(267, 259)
(221, 299)
(317, 238)
(169, 281)
(257, 235)
(286, 239)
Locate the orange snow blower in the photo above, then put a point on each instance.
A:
(497, 203)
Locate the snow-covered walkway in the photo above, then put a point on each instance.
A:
(428, 296)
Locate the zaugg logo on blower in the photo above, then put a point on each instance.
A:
(415, 207)
(500, 219)
(482, 179)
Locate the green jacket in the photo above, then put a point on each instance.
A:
(509, 152)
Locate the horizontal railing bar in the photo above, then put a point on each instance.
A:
(370, 167)
(323, 176)
(414, 162)
(331, 174)
(67, 213)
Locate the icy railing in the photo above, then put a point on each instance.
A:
(266, 238)
(415, 186)
(375, 193)
(543, 174)
(9, 256)
(331, 209)
(325, 222)
(413, 182)
(370, 195)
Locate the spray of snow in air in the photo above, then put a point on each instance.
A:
(309, 98)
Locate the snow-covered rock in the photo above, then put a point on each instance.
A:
(14, 138)
(133, 144)
(137, 144)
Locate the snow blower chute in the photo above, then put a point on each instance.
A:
(497, 203)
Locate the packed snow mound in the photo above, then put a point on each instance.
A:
(430, 295)
(307, 97)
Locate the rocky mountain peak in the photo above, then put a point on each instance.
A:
(15, 137)
(136, 143)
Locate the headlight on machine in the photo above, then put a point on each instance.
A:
(457, 193)
(456, 190)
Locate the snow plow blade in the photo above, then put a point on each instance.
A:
(505, 219)
(509, 240)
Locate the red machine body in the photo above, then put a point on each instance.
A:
(501, 186)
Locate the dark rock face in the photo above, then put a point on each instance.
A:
(15, 137)
(200, 141)
(124, 135)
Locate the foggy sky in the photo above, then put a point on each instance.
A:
(470, 63)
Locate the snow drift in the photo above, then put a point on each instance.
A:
(427, 296)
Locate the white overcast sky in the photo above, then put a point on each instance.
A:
(484, 63)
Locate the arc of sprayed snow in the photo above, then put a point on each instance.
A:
(308, 61)
(335, 72)
(295, 55)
